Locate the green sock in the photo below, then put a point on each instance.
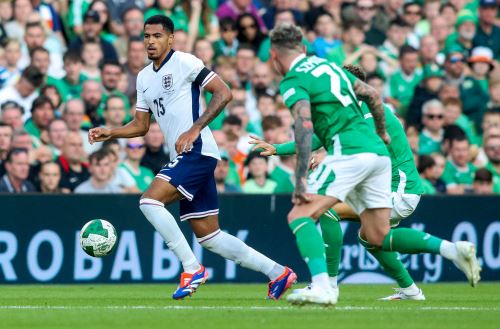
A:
(410, 241)
(390, 263)
(333, 238)
(310, 243)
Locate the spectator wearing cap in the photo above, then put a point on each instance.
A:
(483, 182)
(258, 181)
(12, 114)
(461, 40)
(432, 81)
(92, 29)
(459, 171)
(10, 72)
(221, 174)
(492, 150)
(155, 157)
(481, 64)
(71, 85)
(235, 8)
(24, 91)
(473, 97)
(42, 113)
(432, 133)
(134, 152)
(426, 169)
(133, 24)
(74, 171)
(488, 33)
(403, 82)
(365, 11)
(17, 167)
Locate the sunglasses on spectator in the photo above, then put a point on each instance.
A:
(365, 8)
(413, 13)
(246, 27)
(454, 60)
(134, 146)
(434, 116)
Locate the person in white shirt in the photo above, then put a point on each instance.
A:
(170, 89)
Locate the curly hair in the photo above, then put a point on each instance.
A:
(286, 37)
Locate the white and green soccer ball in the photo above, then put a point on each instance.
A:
(98, 238)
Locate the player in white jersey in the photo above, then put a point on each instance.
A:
(169, 88)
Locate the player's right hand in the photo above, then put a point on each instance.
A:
(269, 149)
(99, 135)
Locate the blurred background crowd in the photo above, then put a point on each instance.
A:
(69, 65)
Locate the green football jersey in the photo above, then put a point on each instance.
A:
(405, 177)
(143, 178)
(496, 177)
(336, 115)
(427, 144)
(453, 175)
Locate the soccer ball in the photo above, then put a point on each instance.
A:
(98, 238)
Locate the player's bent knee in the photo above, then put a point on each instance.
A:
(376, 237)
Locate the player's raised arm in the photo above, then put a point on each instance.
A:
(139, 126)
(221, 95)
(303, 143)
(372, 98)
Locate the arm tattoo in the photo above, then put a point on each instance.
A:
(303, 138)
(217, 103)
(372, 98)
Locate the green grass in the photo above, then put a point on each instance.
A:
(242, 306)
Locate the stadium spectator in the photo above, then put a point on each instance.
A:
(459, 172)
(279, 6)
(440, 29)
(492, 150)
(17, 167)
(135, 150)
(432, 81)
(6, 134)
(261, 82)
(134, 64)
(91, 96)
(412, 15)
(133, 21)
(73, 170)
(396, 38)
(21, 139)
(15, 28)
(228, 42)
(181, 41)
(245, 63)
(221, 176)
(249, 32)
(236, 157)
(365, 12)
(437, 179)
(91, 58)
(326, 35)
(461, 40)
(40, 59)
(12, 114)
(118, 177)
(71, 85)
(57, 131)
(481, 64)
(111, 72)
(10, 72)
(352, 39)
(49, 178)
(494, 92)
(258, 181)
(432, 133)
(483, 182)
(171, 9)
(283, 174)
(155, 157)
(426, 169)
(42, 113)
(204, 50)
(429, 51)
(102, 8)
(488, 33)
(24, 91)
(52, 93)
(117, 8)
(92, 29)
(235, 8)
(114, 111)
(101, 170)
(453, 116)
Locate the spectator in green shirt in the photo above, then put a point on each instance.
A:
(459, 172)
(71, 85)
(111, 72)
(432, 134)
(283, 175)
(481, 64)
(353, 37)
(171, 9)
(492, 150)
(227, 44)
(488, 33)
(461, 40)
(42, 113)
(404, 81)
(483, 182)
(426, 169)
(135, 150)
(258, 181)
(453, 116)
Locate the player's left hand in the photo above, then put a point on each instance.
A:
(299, 195)
(268, 149)
(186, 140)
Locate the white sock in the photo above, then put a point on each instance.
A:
(333, 281)
(166, 225)
(411, 290)
(448, 250)
(321, 281)
(234, 249)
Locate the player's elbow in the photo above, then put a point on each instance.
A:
(227, 95)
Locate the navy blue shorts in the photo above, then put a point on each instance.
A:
(193, 175)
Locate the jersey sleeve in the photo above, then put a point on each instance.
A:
(141, 104)
(196, 71)
(293, 90)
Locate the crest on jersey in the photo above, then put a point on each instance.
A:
(167, 82)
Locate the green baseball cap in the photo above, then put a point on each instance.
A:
(432, 70)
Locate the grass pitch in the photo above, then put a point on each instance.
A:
(242, 306)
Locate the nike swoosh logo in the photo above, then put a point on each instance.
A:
(145, 90)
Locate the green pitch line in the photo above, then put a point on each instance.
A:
(242, 306)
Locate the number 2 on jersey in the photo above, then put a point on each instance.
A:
(160, 109)
(335, 87)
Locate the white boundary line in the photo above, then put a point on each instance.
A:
(248, 308)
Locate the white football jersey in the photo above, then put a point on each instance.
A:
(173, 94)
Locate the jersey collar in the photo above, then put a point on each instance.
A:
(164, 61)
(296, 60)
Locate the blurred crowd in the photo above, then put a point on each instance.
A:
(69, 65)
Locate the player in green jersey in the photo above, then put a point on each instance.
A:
(356, 169)
(406, 190)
